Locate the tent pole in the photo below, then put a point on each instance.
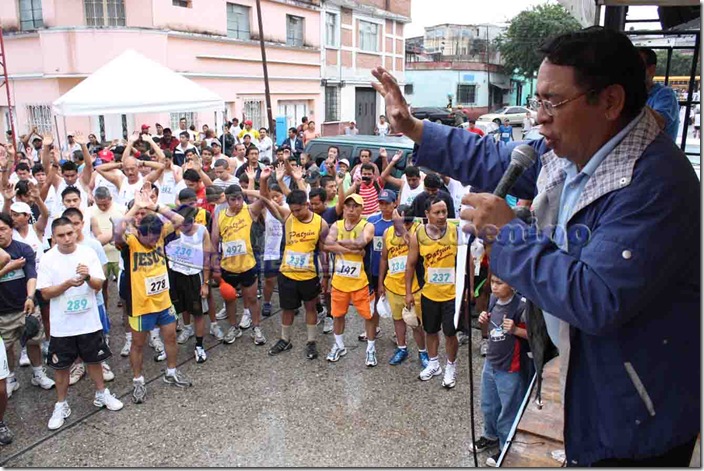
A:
(58, 134)
(267, 94)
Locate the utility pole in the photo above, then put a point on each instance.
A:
(6, 82)
(267, 94)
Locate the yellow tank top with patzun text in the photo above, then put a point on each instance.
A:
(350, 274)
(149, 279)
(301, 240)
(439, 261)
(397, 250)
(236, 241)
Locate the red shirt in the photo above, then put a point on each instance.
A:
(169, 145)
(476, 131)
(370, 195)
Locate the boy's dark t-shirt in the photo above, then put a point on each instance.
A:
(504, 352)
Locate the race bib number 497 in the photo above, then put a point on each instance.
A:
(233, 248)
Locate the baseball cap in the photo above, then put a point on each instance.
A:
(20, 208)
(388, 196)
(248, 122)
(356, 198)
(215, 143)
(145, 126)
(345, 161)
(187, 194)
(106, 155)
(37, 136)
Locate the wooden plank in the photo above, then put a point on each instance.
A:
(529, 451)
(546, 422)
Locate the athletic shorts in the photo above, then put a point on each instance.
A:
(104, 319)
(437, 315)
(4, 367)
(271, 268)
(293, 292)
(112, 268)
(245, 279)
(360, 299)
(398, 302)
(185, 292)
(12, 328)
(147, 322)
(91, 348)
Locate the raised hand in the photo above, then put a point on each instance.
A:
(8, 191)
(382, 153)
(80, 138)
(280, 171)
(33, 192)
(134, 137)
(47, 140)
(266, 173)
(396, 106)
(297, 173)
(397, 156)
(251, 174)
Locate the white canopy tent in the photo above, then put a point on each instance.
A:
(131, 83)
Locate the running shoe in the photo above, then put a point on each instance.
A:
(311, 351)
(363, 336)
(430, 371)
(322, 315)
(216, 331)
(6, 435)
(484, 443)
(328, 325)
(246, 321)
(335, 353)
(221, 314)
(177, 379)
(371, 358)
(11, 385)
(279, 347)
(139, 392)
(424, 359)
(233, 333)
(108, 375)
(42, 380)
(399, 357)
(493, 460)
(24, 358)
(200, 354)
(448, 381)
(158, 346)
(258, 336)
(462, 338)
(185, 334)
(76, 373)
(266, 310)
(107, 400)
(61, 412)
(125, 352)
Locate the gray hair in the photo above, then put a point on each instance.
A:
(102, 193)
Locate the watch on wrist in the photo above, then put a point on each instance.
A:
(32, 298)
(86, 278)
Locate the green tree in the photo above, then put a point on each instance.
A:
(519, 44)
(680, 64)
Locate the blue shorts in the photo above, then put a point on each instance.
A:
(104, 319)
(147, 322)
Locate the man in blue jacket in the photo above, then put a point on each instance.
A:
(624, 283)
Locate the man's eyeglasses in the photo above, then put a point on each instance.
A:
(549, 107)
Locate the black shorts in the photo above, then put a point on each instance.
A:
(91, 348)
(185, 293)
(438, 314)
(373, 283)
(271, 268)
(293, 292)
(245, 279)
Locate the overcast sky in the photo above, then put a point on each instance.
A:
(432, 12)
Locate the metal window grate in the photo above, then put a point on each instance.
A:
(40, 116)
(31, 15)
(253, 111)
(105, 12)
(332, 103)
(466, 94)
(238, 21)
(330, 29)
(181, 3)
(294, 30)
(175, 117)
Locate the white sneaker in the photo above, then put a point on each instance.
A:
(448, 381)
(246, 321)
(11, 385)
(107, 400)
(77, 372)
(42, 380)
(200, 354)
(108, 375)
(126, 349)
(258, 336)
(430, 371)
(179, 324)
(216, 331)
(327, 325)
(158, 346)
(221, 314)
(24, 358)
(185, 334)
(61, 412)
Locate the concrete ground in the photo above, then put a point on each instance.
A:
(249, 409)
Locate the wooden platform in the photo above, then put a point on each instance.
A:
(539, 432)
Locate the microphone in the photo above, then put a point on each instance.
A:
(522, 157)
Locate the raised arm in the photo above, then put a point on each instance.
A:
(40, 225)
(88, 161)
(157, 170)
(386, 174)
(105, 171)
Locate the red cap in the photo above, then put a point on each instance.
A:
(106, 155)
(248, 122)
(145, 126)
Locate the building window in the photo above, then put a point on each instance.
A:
(105, 12)
(368, 36)
(182, 3)
(331, 28)
(332, 103)
(176, 117)
(294, 30)
(466, 94)
(408, 89)
(238, 21)
(253, 111)
(31, 14)
(39, 116)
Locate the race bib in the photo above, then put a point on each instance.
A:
(156, 284)
(378, 243)
(441, 276)
(397, 265)
(78, 304)
(505, 135)
(185, 254)
(12, 275)
(234, 248)
(348, 269)
(298, 260)
(166, 189)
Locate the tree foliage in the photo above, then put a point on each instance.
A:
(519, 44)
(680, 64)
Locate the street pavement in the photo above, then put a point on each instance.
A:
(249, 409)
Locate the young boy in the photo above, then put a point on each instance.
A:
(502, 382)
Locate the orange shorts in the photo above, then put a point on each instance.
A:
(340, 301)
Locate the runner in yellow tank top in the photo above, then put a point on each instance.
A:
(348, 240)
(233, 258)
(392, 284)
(435, 245)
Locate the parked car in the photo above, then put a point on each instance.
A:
(515, 115)
(435, 114)
(350, 146)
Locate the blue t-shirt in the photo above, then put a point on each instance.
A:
(664, 100)
(506, 133)
(330, 215)
(13, 285)
(380, 225)
(504, 352)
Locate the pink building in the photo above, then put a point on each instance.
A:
(51, 45)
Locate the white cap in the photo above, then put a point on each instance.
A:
(20, 207)
(345, 161)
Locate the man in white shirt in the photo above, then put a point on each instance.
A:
(383, 128)
(266, 145)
